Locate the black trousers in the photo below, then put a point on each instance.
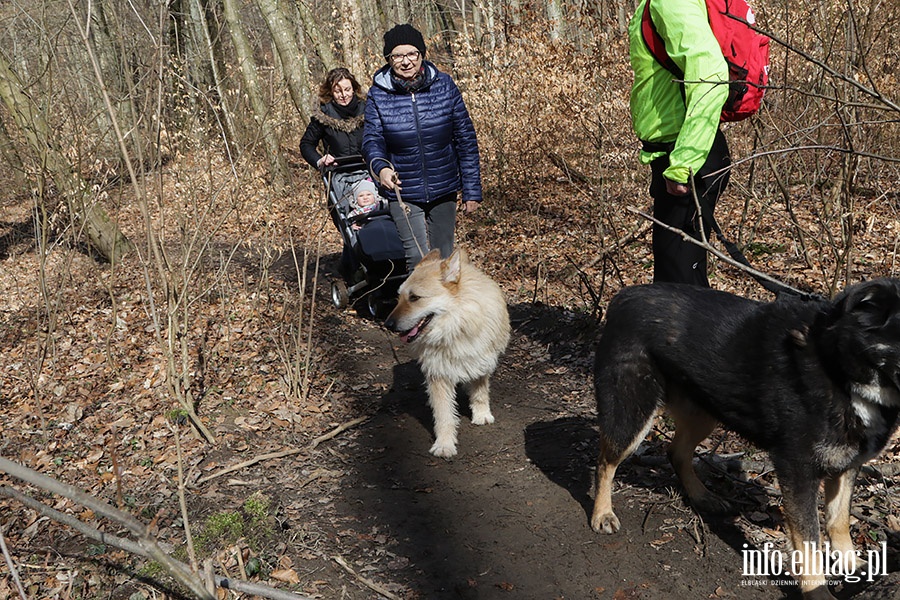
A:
(674, 259)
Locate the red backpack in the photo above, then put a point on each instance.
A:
(745, 51)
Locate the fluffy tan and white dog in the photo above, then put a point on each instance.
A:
(454, 317)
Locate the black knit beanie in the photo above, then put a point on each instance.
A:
(403, 34)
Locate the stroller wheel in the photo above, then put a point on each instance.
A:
(372, 306)
(339, 294)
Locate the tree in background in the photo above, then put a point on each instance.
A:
(542, 77)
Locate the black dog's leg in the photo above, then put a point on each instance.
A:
(838, 492)
(629, 392)
(799, 490)
(692, 426)
(603, 519)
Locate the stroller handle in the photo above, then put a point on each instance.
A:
(341, 164)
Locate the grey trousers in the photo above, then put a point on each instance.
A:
(425, 226)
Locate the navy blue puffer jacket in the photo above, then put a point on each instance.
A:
(427, 136)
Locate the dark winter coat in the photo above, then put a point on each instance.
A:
(340, 137)
(427, 136)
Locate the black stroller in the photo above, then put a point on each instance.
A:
(373, 263)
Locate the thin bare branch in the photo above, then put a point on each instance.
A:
(12, 567)
(713, 250)
(237, 585)
(179, 571)
(822, 65)
(284, 453)
(367, 582)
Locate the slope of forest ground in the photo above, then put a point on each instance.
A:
(367, 512)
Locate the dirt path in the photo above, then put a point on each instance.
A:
(508, 517)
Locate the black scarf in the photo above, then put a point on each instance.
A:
(409, 85)
(345, 112)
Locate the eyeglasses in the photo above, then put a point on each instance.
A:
(410, 56)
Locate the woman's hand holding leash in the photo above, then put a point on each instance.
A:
(469, 206)
(388, 178)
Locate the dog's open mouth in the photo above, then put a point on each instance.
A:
(412, 334)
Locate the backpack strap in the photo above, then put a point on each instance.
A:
(656, 45)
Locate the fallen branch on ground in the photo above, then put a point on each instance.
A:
(571, 173)
(12, 567)
(283, 453)
(367, 582)
(178, 571)
(140, 547)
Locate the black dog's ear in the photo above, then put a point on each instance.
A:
(872, 303)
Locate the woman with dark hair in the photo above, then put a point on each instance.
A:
(337, 122)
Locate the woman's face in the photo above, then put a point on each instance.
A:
(342, 92)
(406, 61)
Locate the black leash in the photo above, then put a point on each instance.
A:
(776, 287)
(769, 283)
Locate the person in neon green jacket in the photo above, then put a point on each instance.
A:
(678, 125)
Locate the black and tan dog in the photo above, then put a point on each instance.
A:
(815, 383)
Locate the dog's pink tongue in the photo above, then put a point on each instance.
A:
(410, 334)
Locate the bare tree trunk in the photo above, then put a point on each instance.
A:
(477, 22)
(9, 154)
(111, 55)
(308, 21)
(247, 66)
(101, 232)
(295, 72)
(443, 23)
(198, 16)
(352, 37)
(555, 18)
(487, 6)
(623, 14)
(395, 11)
(195, 41)
(514, 12)
(107, 56)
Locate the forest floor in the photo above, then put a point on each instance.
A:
(368, 512)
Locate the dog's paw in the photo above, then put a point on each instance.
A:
(482, 418)
(443, 449)
(605, 523)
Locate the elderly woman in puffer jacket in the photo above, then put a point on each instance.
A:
(419, 140)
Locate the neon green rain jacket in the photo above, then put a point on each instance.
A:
(659, 112)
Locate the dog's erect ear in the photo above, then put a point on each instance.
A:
(873, 303)
(450, 268)
(431, 256)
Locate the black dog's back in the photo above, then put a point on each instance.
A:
(710, 344)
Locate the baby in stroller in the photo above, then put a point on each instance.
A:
(366, 202)
(372, 259)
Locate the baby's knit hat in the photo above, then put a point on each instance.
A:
(364, 185)
(403, 34)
